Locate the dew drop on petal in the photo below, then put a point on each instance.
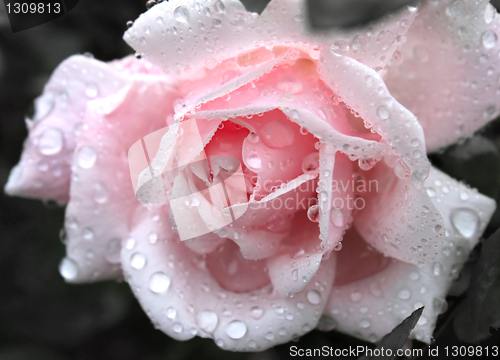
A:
(256, 312)
(365, 323)
(68, 269)
(86, 157)
(113, 248)
(402, 170)
(313, 213)
(489, 39)
(313, 297)
(181, 14)
(383, 113)
(159, 282)
(91, 90)
(207, 320)
(137, 261)
(254, 162)
(236, 329)
(219, 6)
(101, 193)
(310, 164)
(337, 217)
(404, 294)
(87, 234)
(277, 134)
(465, 221)
(171, 313)
(326, 323)
(50, 142)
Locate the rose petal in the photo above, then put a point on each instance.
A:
(197, 30)
(102, 198)
(44, 169)
(452, 48)
(371, 307)
(183, 299)
(355, 83)
(399, 219)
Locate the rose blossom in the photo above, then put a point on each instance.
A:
(300, 112)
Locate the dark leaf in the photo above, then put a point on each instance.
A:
(397, 338)
(255, 5)
(476, 162)
(327, 14)
(481, 308)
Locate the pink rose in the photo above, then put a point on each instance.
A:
(341, 222)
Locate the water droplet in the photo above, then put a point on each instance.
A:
(313, 297)
(177, 328)
(365, 323)
(269, 336)
(383, 113)
(290, 84)
(356, 296)
(253, 138)
(338, 246)
(87, 157)
(113, 248)
(50, 142)
(219, 7)
(137, 261)
(326, 323)
(68, 269)
(236, 329)
(254, 162)
(404, 294)
(277, 134)
(337, 217)
(437, 268)
(256, 312)
(456, 8)
(313, 213)
(310, 164)
(101, 193)
(465, 221)
(489, 39)
(181, 14)
(91, 90)
(159, 282)
(402, 170)
(87, 234)
(489, 14)
(414, 276)
(130, 243)
(207, 320)
(171, 313)
(275, 223)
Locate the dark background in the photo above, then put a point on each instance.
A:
(41, 317)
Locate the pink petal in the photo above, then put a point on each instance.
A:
(102, 199)
(184, 299)
(399, 219)
(449, 70)
(380, 293)
(196, 35)
(355, 83)
(44, 169)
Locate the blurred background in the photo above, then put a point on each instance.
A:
(43, 318)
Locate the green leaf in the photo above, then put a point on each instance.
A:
(481, 307)
(397, 338)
